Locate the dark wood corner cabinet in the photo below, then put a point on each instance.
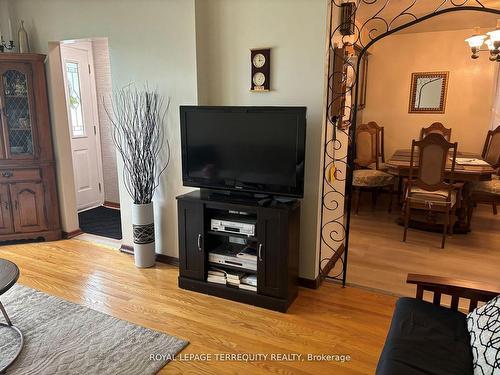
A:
(28, 194)
(277, 230)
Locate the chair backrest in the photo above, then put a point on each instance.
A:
(381, 152)
(438, 128)
(433, 154)
(491, 149)
(367, 144)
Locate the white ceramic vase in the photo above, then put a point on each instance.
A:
(144, 235)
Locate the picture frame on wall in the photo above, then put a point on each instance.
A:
(363, 75)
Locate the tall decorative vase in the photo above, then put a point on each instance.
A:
(24, 46)
(144, 235)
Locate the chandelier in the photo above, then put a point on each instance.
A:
(491, 40)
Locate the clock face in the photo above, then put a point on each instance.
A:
(259, 79)
(259, 60)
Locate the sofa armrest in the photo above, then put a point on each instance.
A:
(456, 288)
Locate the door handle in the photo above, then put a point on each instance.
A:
(6, 204)
(260, 252)
(7, 174)
(199, 241)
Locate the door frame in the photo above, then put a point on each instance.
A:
(86, 46)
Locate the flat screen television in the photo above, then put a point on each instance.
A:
(249, 149)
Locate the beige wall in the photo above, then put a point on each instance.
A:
(470, 89)
(226, 30)
(153, 42)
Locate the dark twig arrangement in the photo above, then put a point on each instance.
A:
(138, 117)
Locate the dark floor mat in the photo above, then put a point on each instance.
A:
(101, 221)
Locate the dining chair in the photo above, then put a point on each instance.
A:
(487, 192)
(491, 149)
(438, 128)
(381, 166)
(426, 188)
(367, 175)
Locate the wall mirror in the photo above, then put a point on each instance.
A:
(428, 92)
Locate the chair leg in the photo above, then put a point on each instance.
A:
(470, 209)
(4, 313)
(357, 196)
(445, 227)
(374, 198)
(407, 218)
(494, 204)
(391, 193)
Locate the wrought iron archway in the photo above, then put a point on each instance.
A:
(348, 43)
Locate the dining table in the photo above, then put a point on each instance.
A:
(399, 165)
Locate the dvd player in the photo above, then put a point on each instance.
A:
(246, 228)
(227, 258)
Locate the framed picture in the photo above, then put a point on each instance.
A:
(363, 75)
(428, 92)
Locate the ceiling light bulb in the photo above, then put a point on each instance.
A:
(494, 35)
(489, 43)
(476, 41)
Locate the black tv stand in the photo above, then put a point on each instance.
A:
(276, 235)
(245, 197)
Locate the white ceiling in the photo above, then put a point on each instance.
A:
(449, 21)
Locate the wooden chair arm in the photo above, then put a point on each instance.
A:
(474, 291)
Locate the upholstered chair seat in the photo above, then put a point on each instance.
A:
(371, 178)
(491, 187)
(429, 198)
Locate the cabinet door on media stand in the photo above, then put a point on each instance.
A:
(271, 256)
(191, 241)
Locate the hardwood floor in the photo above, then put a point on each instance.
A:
(330, 320)
(379, 259)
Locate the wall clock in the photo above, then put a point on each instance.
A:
(260, 60)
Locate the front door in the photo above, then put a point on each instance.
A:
(84, 132)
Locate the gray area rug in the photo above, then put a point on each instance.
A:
(61, 337)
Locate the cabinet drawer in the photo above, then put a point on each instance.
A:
(8, 175)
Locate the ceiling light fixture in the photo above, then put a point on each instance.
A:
(491, 40)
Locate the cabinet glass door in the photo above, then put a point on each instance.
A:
(16, 113)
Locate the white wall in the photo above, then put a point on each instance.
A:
(153, 41)
(104, 91)
(226, 30)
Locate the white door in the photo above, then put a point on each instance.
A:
(84, 131)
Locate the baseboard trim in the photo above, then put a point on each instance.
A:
(68, 235)
(167, 259)
(310, 283)
(162, 258)
(127, 249)
(112, 204)
(315, 283)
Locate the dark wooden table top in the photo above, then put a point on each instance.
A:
(9, 273)
(399, 164)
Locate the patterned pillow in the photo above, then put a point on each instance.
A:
(484, 328)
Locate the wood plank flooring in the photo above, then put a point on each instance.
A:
(378, 258)
(330, 320)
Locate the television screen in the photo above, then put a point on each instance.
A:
(252, 149)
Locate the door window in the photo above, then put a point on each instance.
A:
(75, 99)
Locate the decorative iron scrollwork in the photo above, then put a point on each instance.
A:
(372, 20)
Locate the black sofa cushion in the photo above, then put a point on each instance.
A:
(426, 339)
